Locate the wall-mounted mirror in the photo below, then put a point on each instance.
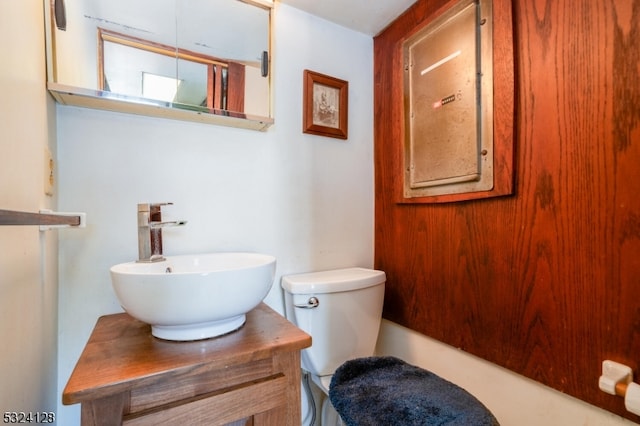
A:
(200, 60)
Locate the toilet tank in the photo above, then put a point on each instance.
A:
(345, 323)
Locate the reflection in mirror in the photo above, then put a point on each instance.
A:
(140, 68)
(208, 56)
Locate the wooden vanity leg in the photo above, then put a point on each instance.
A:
(290, 413)
(106, 411)
(289, 362)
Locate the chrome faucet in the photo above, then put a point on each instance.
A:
(150, 226)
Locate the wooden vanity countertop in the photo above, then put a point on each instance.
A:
(121, 353)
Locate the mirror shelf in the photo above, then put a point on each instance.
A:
(109, 101)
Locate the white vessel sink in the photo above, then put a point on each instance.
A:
(192, 297)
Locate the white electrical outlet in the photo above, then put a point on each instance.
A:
(48, 172)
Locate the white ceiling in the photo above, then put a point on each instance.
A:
(365, 16)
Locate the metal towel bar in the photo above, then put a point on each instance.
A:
(46, 219)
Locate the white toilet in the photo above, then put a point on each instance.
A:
(341, 310)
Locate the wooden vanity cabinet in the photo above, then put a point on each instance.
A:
(125, 376)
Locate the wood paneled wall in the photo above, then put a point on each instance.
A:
(545, 282)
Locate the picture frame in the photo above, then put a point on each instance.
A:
(325, 105)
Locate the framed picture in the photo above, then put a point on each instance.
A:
(325, 105)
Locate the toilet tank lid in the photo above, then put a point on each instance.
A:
(332, 281)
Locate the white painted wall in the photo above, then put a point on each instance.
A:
(513, 399)
(28, 258)
(306, 199)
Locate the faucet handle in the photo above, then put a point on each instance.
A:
(151, 207)
(150, 212)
